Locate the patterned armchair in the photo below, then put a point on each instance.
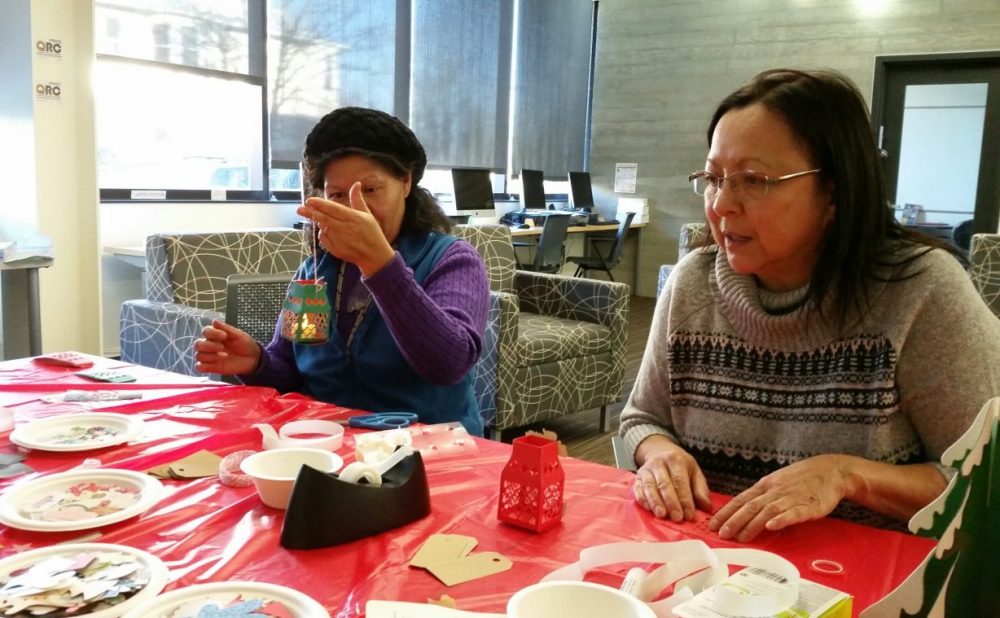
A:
(186, 289)
(554, 345)
(691, 233)
(984, 268)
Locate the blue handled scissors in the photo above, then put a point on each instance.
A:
(383, 420)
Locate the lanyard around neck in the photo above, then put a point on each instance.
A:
(338, 307)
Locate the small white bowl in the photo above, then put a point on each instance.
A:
(274, 471)
(572, 599)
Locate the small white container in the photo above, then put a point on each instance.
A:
(571, 599)
(274, 471)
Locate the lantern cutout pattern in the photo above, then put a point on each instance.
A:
(305, 314)
(531, 485)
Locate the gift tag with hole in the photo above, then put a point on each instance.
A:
(470, 567)
(443, 548)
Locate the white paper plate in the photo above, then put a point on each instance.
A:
(78, 499)
(157, 570)
(300, 605)
(77, 432)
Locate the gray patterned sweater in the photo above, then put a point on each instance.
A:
(747, 387)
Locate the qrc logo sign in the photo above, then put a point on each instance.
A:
(51, 47)
(48, 90)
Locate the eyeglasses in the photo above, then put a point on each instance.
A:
(751, 185)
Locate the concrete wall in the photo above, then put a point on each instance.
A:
(663, 65)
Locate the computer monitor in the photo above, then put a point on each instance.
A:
(473, 193)
(580, 191)
(532, 189)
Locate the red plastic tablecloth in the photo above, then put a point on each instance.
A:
(205, 531)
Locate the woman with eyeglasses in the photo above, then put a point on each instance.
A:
(814, 357)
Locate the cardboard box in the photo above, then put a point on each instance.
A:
(638, 205)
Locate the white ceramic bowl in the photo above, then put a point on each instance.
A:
(571, 599)
(274, 471)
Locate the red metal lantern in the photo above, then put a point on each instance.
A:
(531, 485)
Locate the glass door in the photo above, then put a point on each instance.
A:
(937, 120)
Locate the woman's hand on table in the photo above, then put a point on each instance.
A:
(226, 350)
(805, 490)
(350, 232)
(669, 482)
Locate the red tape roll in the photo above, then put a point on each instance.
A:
(229, 470)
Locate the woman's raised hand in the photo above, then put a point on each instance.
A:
(350, 232)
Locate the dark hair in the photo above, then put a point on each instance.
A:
(864, 241)
(387, 141)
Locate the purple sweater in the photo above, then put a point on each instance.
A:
(438, 327)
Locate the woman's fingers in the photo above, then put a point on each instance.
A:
(655, 489)
(357, 198)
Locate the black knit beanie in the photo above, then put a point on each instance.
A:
(368, 130)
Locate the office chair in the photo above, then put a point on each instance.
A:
(602, 261)
(549, 251)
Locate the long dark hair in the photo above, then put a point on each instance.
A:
(421, 214)
(864, 241)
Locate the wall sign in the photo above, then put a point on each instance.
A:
(48, 91)
(49, 47)
(625, 174)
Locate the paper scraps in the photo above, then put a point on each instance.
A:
(91, 396)
(11, 464)
(194, 466)
(448, 557)
(232, 606)
(72, 585)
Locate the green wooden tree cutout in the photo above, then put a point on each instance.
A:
(954, 580)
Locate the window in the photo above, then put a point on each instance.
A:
(551, 91)
(195, 97)
(459, 82)
(177, 107)
(324, 55)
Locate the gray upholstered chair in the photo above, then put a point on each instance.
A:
(690, 234)
(186, 289)
(984, 268)
(554, 345)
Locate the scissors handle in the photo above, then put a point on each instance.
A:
(384, 420)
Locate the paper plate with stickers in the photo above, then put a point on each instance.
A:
(77, 432)
(78, 499)
(231, 599)
(96, 580)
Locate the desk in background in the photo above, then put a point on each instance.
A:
(207, 532)
(604, 228)
(21, 311)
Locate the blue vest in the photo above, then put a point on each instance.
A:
(373, 375)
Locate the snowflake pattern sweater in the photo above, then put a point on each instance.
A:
(749, 380)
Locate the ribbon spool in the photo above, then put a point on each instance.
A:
(329, 435)
(229, 470)
(691, 567)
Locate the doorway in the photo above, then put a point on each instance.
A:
(937, 122)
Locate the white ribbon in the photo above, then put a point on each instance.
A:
(691, 567)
